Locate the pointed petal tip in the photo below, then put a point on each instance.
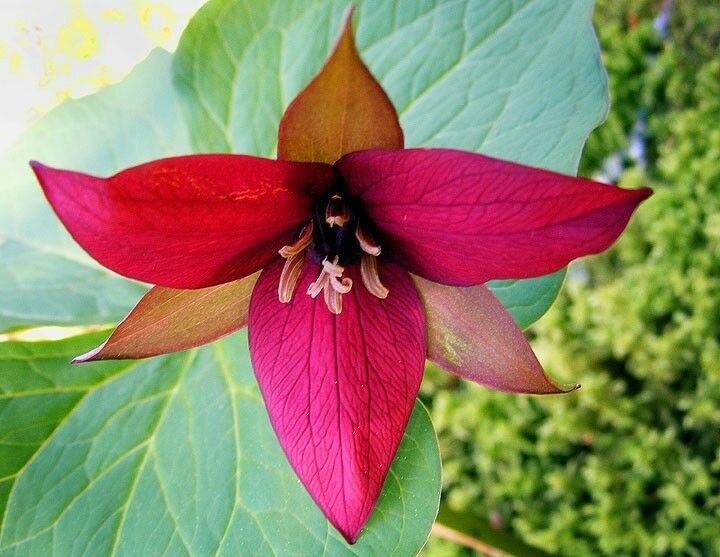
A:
(562, 389)
(347, 19)
(83, 358)
(349, 532)
(90, 356)
(638, 194)
(555, 388)
(351, 537)
(550, 387)
(40, 170)
(43, 170)
(631, 198)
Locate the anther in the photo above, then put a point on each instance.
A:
(336, 212)
(333, 300)
(294, 261)
(302, 242)
(334, 235)
(370, 276)
(367, 243)
(332, 284)
(319, 285)
(289, 276)
(335, 271)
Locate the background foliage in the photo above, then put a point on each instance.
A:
(630, 464)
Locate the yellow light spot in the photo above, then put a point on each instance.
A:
(101, 77)
(49, 73)
(78, 39)
(157, 22)
(20, 25)
(63, 94)
(113, 15)
(16, 63)
(49, 333)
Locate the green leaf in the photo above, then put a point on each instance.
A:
(518, 80)
(45, 278)
(173, 456)
(527, 300)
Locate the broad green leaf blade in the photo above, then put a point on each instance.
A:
(526, 300)
(517, 80)
(173, 456)
(45, 278)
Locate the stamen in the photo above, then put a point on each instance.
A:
(367, 243)
(332, 284)
(333, 300)
(295, 259)
(343, 285)
(289, 277)
(302, 242)
(333, 269)
(336, 212)
(370, 277)
(319, 285)
(324, 242)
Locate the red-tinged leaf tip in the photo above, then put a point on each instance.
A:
(168, 320)
(343, 109)
(185, 222)
(339, 389)
(471, 334)
(462, 218)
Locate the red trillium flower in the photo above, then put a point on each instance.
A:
(373, 259)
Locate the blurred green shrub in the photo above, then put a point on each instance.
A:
(630, 464)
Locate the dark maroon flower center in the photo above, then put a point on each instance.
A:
(336, 218)
(337, 235)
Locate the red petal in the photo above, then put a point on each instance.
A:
(343, 109)
(471, 334)
(168, 320)
(462, 218)
(339, 389)
(185, 222)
